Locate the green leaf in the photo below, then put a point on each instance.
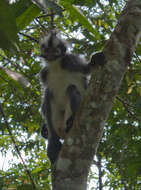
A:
(84, 2)
(20, 6)
(77, 15)
(25, 187)
(36, 170)
(29, 14)
(8, 29)
(139, 90)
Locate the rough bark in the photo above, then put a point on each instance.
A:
(72, 167)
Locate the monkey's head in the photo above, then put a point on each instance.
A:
(52, 47)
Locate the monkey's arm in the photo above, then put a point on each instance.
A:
(75, 99)
(74, 63)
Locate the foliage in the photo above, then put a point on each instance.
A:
(87, 24)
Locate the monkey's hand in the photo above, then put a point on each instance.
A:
(97, 59)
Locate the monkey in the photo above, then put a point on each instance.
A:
(64, 82)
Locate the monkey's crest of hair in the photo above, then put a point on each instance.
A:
(52, 47)
(53, 37)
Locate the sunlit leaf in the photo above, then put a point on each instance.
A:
(130, 89)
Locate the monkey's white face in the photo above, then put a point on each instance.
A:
(52, 47)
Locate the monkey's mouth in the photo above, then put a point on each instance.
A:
(48, 57)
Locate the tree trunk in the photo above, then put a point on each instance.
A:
(72, 167)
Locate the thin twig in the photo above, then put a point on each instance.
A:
(31, 38)
(5, 59)
(137, 57)
(42, 16)
(42, 26)
(126, 106)
(16, 147)
(125, 102)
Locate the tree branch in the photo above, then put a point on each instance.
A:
(80, 146)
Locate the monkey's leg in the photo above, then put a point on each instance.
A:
(75, 99)
(54, 145)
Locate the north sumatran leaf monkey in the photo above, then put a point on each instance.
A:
(64, 81)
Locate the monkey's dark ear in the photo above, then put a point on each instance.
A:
(98, 59)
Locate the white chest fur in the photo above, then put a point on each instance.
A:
(59, 80)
